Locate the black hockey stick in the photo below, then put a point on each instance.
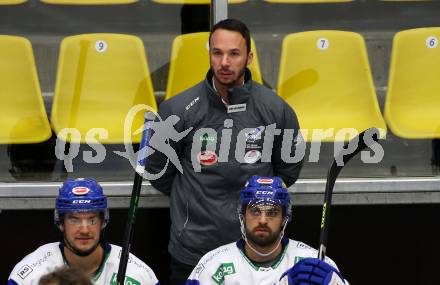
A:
(363, 140)
(135, 193)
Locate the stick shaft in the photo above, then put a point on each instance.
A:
(135, 194)
(332, 175)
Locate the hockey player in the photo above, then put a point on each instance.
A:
(263, 254)
(81, 214)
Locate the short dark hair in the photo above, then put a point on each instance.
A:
(65, 276)
(236, 26)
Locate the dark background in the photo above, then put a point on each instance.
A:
(394, 244)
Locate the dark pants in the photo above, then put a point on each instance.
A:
(179, 272)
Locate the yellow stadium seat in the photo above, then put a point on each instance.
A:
(325, 76)
(197, 2)
(412, 106)
(11, 2)
(23, 118)
(192, 50)
(100, 77)
(88, 2)
(406, 0)
(307, 1)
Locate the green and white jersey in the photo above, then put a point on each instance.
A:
(49, 257)
(228, 265)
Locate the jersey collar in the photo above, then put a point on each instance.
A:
(237, 95)
(95, 276)
(284, 242)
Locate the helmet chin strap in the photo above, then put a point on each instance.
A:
(243, 234)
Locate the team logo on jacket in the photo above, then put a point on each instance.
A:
(300, 244)
(128, 280)
(252, 156)
(298, 259)
(192, 103)
(236, 108)
(199, 268)
(223, 270)
(207, 157)
(80, 190)
(207, 138)
(254, 134)
(24, 271)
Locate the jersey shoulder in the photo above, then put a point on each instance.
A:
(44, 259)
(136, 268)
(186, 100)
(213, 260)
(302, 250)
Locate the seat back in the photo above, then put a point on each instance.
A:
(100, 77)
(11, 2)
(412, 106)
(307, 1)
(88, 2)
(190, 62)
(406, 0)
(325, 77)
(196, 2)
(23, 118)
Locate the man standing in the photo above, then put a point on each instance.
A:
(237, 128)
(263, 254)
(81, 214)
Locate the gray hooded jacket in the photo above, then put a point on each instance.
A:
(224, 147)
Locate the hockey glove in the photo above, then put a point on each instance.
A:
(312, 271)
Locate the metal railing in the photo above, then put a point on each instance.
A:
(417, 190)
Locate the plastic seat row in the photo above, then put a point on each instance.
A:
(324, 75)
(100, 77)
(113, 2)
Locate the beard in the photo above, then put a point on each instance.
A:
(235, 81)
(78, 251)
(268, 239)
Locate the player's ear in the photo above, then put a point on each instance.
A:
(61, 227)
(250, 57)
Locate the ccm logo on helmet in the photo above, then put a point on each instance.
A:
(264, 180)
(264, 193)
(80, 190)
(81, 201)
